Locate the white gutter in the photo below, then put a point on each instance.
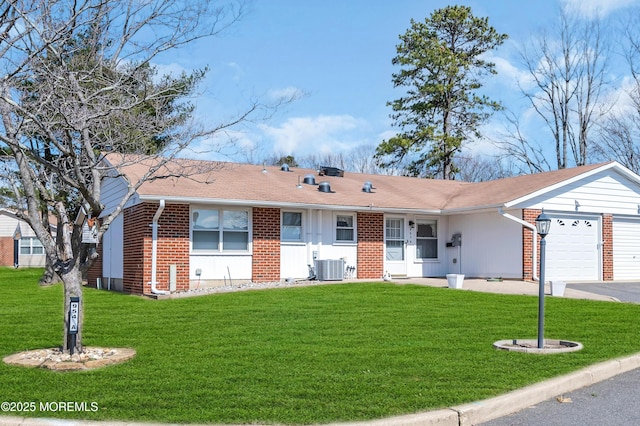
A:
(278, 204)
(154, 249)
(534, 274)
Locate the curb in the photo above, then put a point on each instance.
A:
(460, 415)
(482, 411)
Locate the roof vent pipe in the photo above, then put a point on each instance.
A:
(324, 187)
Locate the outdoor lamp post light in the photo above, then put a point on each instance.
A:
(543, 223)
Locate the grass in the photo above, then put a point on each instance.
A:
(302, 355)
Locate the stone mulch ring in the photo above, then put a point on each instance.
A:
(55, 359)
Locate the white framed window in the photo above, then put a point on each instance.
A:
(427, 239)
(345, 227)
(31, 245)
(219, 230)
(291, 226)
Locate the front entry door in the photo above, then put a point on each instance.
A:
(395, 246)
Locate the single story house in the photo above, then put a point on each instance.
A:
(19, 245)
(241, 222)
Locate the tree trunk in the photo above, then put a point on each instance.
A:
(72, 337)
(50, 276)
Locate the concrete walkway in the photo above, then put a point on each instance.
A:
(504, 287)
(466, 414)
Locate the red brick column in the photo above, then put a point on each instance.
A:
(95, 270)
(529, 215)
(607, 247)
(172, 247)
(6, 251)
(136, 248)
(370, 245)
(266, 245)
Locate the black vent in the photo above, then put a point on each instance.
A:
(324, 187)
(309, 180)
(331, 171)
(284, 167)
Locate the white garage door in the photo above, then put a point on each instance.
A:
(573, 248)
(626, 249)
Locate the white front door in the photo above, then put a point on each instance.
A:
(395, 246)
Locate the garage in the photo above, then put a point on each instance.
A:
(573, 248)
(626, 249)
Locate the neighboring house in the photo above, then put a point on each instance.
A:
(17, 237)
(240, 223)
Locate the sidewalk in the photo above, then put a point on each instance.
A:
(504, 287)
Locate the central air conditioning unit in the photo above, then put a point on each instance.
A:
(330, 270)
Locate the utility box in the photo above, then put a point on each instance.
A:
(329, 269)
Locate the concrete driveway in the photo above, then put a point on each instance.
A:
(623, 291)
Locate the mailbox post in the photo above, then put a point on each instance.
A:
(74, 313)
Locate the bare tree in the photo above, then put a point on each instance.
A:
(482, 168)
(60, 114)
(568, 69)
(515, 148)
(620, 133)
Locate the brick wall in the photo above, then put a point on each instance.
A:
(172, 247)
(529, 215)
(6, 251)
(370, 245)
(266, 245)
(95, 271)
(607, 247)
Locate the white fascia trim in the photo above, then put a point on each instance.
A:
(287, 205)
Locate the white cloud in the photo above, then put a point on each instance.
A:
(593, 8)
(316, 135)
(170, 69)
(285, 93)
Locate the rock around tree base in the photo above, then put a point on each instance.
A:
(531, 346)
(55, 359)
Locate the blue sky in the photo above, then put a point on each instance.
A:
(338, 53)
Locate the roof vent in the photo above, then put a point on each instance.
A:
(309, 180)
(330, 171)
(324, 187)
(367, 187)
(284, 167)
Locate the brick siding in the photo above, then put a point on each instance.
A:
(266, 245)
(370, 245)
(529, 215)
(607, 247)
(95, 270)
(6, 251)
(172, 247)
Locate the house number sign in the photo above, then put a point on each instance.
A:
(74, 312)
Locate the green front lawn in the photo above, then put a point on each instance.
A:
(298, 355)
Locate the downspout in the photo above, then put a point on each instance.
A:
(154, 249)
(534, 274)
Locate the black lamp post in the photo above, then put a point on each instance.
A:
(543, 223)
